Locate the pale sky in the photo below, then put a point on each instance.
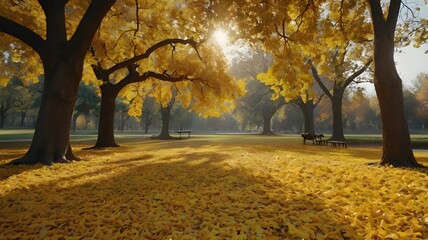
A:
(411, 61)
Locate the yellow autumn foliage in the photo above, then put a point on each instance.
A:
(215, 187)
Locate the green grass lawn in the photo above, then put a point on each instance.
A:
(419, 141)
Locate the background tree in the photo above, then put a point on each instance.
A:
(122, 112)
(182, 119)
(8, 98)
(260, 19)
(165, 110)
(421, 86)
(150, 113)
(257, 103)
(87, 102)
(27, 94)
(110, 88)
(411, 103)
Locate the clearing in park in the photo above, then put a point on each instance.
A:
(214, 187)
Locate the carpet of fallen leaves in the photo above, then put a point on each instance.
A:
(225, 187)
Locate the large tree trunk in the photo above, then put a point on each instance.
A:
(106, 121)
(397, 149)
(62, 59)
(51, 138)
(166, 113)
(336, 103)
(308, 114)
(267, 114)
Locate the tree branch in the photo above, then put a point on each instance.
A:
(56, 33)
(22, 33)
(377, 16)
(391, 21)
(319, 100)
(150, 50)
(91, 21)
(358, 73)
(137, 8)
(283, 35)
(318, 79)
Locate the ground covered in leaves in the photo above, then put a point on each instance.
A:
(214, 187)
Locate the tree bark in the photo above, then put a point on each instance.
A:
(166, 113)
(336, 102)
(62, 60)
(397, 149)
(105, 137)
(52, 134)
(308, 114)
(267, 114)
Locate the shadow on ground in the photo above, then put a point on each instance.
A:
(186, 196)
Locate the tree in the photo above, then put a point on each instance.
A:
(336, 96)
(337, 52)
(110, 88)
(122, 109)
(397, 149)
(207, 75)
(358, 113)
(296, 22)
(166, 115)
(307, 106)
(411, 103)
(421, 86)
(7, 100)
(136, 52)
(27, 94)
(149, 114)
(257, 103)
(62, 56)
(182, 118)
(87, 100)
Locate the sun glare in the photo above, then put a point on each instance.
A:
(221, 37)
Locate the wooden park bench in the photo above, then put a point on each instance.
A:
(317, 139)
(339, 144)
(183, 132)
(308, 137)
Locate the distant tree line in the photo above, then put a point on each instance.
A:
(19, 103)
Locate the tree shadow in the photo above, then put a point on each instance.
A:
(188, 195)
(8, 170)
